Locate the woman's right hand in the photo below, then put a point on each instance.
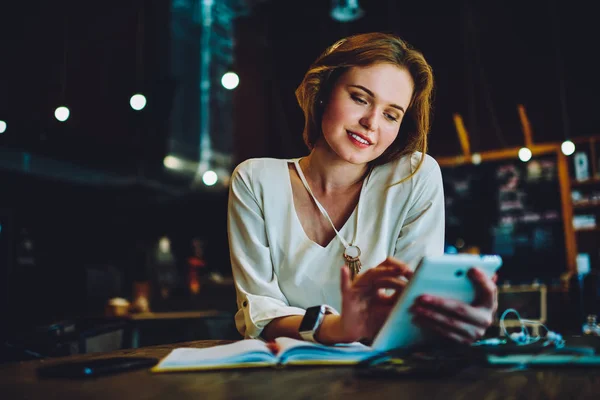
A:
(365, 303)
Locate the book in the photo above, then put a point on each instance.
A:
(251, 353)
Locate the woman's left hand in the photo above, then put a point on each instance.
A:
(459, 321)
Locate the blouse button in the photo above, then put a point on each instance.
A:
(245, 303)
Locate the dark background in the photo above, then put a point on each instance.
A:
(112, 189)
(487, 57)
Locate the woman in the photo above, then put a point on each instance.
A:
(367, 194)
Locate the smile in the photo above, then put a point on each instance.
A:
(358, 139)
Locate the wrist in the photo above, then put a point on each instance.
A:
(331, 331)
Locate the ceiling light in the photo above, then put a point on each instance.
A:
(524, 154)
(567, 147)
(346, 10)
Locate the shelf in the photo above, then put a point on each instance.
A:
(586, 204)
(590, 181)
(596, 229)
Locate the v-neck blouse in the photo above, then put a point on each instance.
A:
(279, 271)
(344, 240)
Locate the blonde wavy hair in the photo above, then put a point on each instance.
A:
(364, 50)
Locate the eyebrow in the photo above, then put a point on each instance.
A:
(370, 93)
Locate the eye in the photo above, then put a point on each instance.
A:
(391, 117)
(358, 99)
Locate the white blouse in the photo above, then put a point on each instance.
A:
(279, 271)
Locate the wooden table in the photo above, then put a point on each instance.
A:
(19, 381)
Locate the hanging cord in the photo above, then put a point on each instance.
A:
(560, 73)
(139, 45)
(139, 79)
(63, 80)
(471, 103)
(471, 33)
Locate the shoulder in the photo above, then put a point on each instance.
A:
(259, 171)
(428, 167)
(255, 167)
(398, 170)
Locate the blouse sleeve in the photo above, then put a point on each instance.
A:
(259, 297)
(422, 233)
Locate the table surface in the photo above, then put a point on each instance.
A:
(147, 316)
(19, 381)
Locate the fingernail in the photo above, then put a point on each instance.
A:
(424, 298)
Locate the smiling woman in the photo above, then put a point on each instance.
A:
(365, 109)
(367, 195)
(379, 52)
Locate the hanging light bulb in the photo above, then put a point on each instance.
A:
(230, 80)
(62, 113)
(209, 178)
(2, 126)
(567, 147)
(137, 101)
(346, 10)
(524, 154)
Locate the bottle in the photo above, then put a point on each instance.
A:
(591, 328)
(582, 171)
(196, 266)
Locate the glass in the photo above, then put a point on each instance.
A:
(591, 328)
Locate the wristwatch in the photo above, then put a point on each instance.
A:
(312, 321)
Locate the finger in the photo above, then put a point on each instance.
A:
(485, 288)
(405, 270)
(389, 282)
(385, 297)
(371, 275)
(380, 286)
(389, 289)
(441, 331)
(478, 316)
(345, 281)
(445, 322)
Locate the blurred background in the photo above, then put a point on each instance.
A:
(121, 122)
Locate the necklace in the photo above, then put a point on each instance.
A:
(351, 252)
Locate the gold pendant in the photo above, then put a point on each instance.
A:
(351, 255)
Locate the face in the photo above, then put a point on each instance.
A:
(365, 109)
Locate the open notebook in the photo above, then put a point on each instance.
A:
(256, 353)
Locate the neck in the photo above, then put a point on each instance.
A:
(329, 174)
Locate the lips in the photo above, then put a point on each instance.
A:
(363, 137)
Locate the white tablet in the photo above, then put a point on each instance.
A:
(443, 276)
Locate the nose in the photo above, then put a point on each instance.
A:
(369, 120)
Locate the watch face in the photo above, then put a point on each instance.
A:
(310, 319)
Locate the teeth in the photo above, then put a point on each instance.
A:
(359, 138)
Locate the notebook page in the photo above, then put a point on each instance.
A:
(286, 343)
(250, 350)
(302, 352)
